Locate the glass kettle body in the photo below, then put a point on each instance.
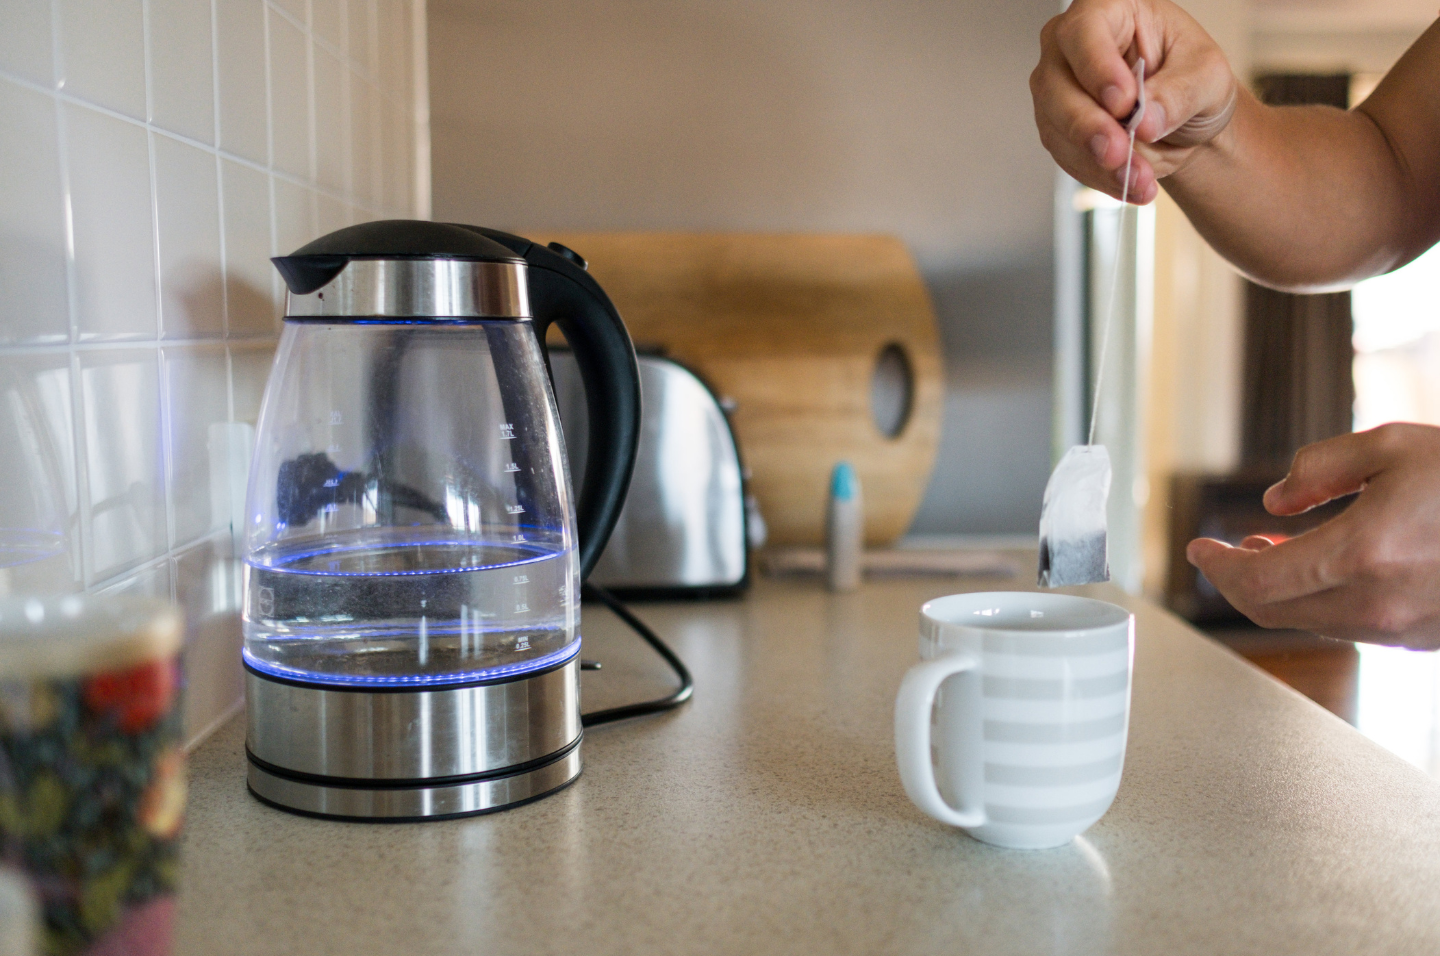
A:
(413, 547)
(412, 521)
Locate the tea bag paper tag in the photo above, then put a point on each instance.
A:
(1073, 547)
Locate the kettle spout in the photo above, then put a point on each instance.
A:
(304, 274)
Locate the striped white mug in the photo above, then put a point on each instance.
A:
(1013, 725)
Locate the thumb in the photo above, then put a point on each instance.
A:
(1191, 97)
(1201, 550)
(1326, 470)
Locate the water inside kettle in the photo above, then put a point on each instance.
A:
(410, 606)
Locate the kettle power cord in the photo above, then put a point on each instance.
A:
(670, 701)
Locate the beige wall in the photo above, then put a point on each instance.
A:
(1278, 50)
(1340, 36)
(911, 117)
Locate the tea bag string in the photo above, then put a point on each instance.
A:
(1131, 126)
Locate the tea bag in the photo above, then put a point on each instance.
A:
(1073, 549)
(1073, 545)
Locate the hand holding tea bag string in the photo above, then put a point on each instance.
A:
(1302, 198)
(1084, 89)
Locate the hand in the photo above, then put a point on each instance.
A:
(1370, 574)
(1084, 86)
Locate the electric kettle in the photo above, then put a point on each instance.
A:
(413, 551)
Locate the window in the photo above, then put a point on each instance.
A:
(1397, 345)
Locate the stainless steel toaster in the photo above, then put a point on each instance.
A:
(684, 530)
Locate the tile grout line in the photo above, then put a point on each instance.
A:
(130, 574)
(79, 421)
(79, 442)
(219, 180)
(167, 445)
(230, 384)
(155, 251)
(162, 365)
(347, 107)
(270, 154)
(150, 153)
(244, 343)
(420, 179)
(67, 213)
(309, 34)
(288, 16)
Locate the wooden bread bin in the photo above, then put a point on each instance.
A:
(790, 328)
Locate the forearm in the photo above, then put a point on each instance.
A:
(1299, 198)
(1313, 198)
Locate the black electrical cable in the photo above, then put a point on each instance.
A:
(668, 702)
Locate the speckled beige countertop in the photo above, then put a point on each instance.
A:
(767, 817)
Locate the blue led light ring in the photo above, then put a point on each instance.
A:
(435, 320)
(287, 568)
(545, 662)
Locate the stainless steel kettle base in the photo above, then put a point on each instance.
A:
(412, 753)
(354, 800)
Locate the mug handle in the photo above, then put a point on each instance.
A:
(912, 737)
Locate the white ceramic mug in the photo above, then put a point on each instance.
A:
(1025, 700)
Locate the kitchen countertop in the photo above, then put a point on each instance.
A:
(767, 817)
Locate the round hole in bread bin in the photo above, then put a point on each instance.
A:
(892, 390)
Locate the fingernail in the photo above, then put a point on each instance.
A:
(1113, 99)
(1100, 145)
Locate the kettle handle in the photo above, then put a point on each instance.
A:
(563, 293)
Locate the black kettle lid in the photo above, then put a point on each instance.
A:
(317, 262)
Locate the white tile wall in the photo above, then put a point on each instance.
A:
(111, 208)
(124, 481)
(182, 86)
(156, 153)
(40, 506)
(242, 79)
(332, 134)
(327, 23)
(290, 126)
(189, 371)
(32, 231)
(187, 200)
(102, 53)
(251, 305)
(25, 47)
